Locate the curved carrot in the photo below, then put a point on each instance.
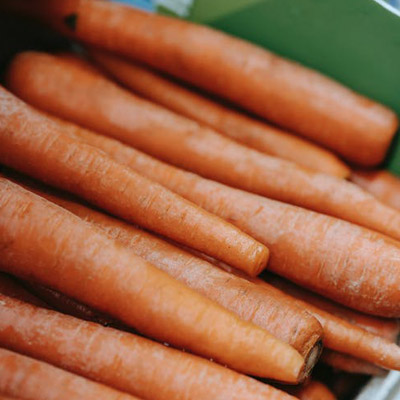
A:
(350, 364)
(316, 244)
(29, 379)
(382, 184)
(122, 360)
(315, 390)
(264, 307)
(10, 287)
(239, 127)
(282, 91)
(49, 83)
(111, 278)
(343, 336)
(38, 146)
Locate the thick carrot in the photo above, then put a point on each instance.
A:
(30, 379)
(49, 83)
(386, 328)
(266, 308)
(343, 336)
(112, 279)
(382, 184)
(316, 244)
(239, 127)
(36, 145)
(122, 360)
(10, 287)
(315, 390)
(350, 364)
(284, 92)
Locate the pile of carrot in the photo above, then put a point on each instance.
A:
(158, 245)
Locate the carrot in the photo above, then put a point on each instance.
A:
(315, 390)
(29, 379)
(341, 335)
(386, 328)
(111, 278)
(350, 364)
(248, 131)
(265, 308)
(382, 184)
(36, 145)
(99, 104)
(275, 88)
(314, 243)
(10, 287)
(122, 360)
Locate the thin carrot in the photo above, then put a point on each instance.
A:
(122, 360)
(36, 145)
(49, 83)
(350, 364)
(265, 308)
(316, 244)
(239, 127)
(315, 390)
(284, 92)
(382, 184)
(10, 287)
(112, 279)
(343, 336)
(30, 379)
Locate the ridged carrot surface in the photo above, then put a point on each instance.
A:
(29, 379)
(122, 360)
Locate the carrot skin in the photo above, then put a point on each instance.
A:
(53, 237)
(264, 307)
(99, 104)
(341, 335)
(382, 184)
(122, 360)
(291, 95)
(248, 131)
(38, 146)
(29, 379)
(315, 243)
(350, 364)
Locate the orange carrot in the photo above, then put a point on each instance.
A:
(386, 328)
(29, 379)
(343, 336)
(111, 278)
(316, 244)
(248, 131)
(49, 83)
(350, 364)
(122, 360)
(10, 287)
(36, 145)
(284, 92)
(382, 184)
(265, 308)
(315, 391)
